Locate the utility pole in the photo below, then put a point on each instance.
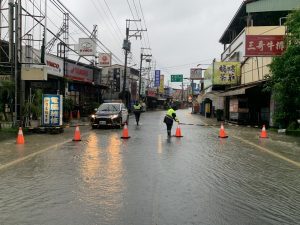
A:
(127, 47)
(143, 56)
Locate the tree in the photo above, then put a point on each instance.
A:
(285, 70)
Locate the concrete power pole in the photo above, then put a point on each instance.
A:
(143, 56)
(127, 48)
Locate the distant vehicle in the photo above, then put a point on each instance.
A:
(110, 114)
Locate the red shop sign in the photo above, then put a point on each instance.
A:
(264, 45)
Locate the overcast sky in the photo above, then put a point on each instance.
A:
(181, 34)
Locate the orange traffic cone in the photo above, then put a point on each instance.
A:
(71, 115)
(77, 134)
(263, 133)
(78, 114)
(178, 131)
(125, 132)
(20, 138)
(222, 133)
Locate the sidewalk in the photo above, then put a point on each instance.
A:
(34, 142)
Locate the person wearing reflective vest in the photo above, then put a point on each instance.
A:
(137, 109)
(168, 120)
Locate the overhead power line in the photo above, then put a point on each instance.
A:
(87, 31)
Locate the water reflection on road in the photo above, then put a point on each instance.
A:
(150, 179)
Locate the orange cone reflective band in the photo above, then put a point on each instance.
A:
(222, 133)
(125, 132)
(78, 114)
(263, 133)
(178, 132)
(77, 134)
(20, 138)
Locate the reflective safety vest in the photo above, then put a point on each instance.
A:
(170, 113)
(137, 107)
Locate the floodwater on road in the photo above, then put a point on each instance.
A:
(152, 180)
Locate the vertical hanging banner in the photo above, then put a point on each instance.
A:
(52, 110)
(116, 80)
(161, 85)
(157, 78)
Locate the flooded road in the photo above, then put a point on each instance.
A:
(150, 180)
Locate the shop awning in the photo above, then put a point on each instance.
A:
(240, 91)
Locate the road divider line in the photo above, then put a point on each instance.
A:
(14, 162)
(277, 155)
(269, 151)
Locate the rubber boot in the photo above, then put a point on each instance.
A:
(169, 133)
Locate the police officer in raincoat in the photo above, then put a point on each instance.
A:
(169, 118)
(137, 109)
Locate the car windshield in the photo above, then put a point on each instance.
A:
(109, 107)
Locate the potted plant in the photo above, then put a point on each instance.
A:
(68, 106)
(33, 108)
(219, 114)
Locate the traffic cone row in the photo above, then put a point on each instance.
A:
(125, 133)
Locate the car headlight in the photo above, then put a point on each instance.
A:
(114, 116)
(93, 116)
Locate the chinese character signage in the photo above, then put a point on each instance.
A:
(196, 74)
(79, 73)
(52, 110)
(157, 78)
(264, 45)
(226, 73)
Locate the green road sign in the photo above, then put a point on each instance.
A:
(177, 78)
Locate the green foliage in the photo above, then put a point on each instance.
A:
(293, 126)
(7, 92)
(91, 107)
(68, 105)
(33, 108)
(285, 79)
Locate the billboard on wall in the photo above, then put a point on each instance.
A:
(226, 73)
(87, 47)
(55, 65)
(264, 45)
(196, 74)
(78, 73)
(104, 59)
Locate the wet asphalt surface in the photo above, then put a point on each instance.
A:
(150, 179)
